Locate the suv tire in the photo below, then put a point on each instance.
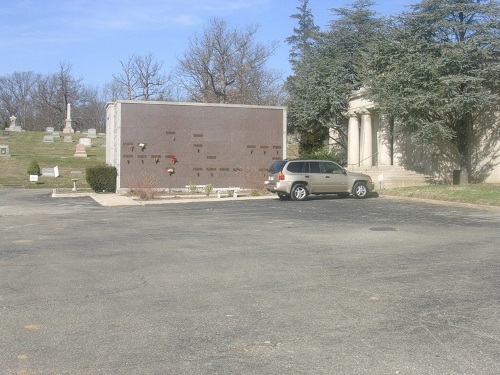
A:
(360, 190)
(299, 192)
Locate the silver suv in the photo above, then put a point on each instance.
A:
(296, 179)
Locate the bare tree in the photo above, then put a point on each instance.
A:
(227, 66)
(141, 78)
(151, 81)
(16, 93)
(125, 84)
(46, 101)
(90, 111)
(39, 100)
(54, 92)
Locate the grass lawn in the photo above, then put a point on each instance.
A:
(28, 146)
(486, 194)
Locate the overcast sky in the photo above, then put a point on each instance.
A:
(95, 35)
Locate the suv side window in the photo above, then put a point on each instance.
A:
(314, 167)
(329, 167)
(296, 167)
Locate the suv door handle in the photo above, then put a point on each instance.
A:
(306, 176)
(327, 176)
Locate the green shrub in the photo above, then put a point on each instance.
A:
(193, 188)
(33, 168)
(102, 178)
(208, 189)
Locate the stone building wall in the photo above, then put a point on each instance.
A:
(170, 145)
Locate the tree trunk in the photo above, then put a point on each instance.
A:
(464, 145)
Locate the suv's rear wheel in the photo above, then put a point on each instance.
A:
(284, 196)
(299, 192)
(360, 190)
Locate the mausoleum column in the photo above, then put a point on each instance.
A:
(353, 141)
(366, 140)
(384, 142)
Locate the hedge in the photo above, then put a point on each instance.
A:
(102, 178)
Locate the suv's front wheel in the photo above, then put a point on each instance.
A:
(360, 190)
(299, 192)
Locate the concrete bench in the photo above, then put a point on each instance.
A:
(235, 191)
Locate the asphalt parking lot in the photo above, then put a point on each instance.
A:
(326, 286)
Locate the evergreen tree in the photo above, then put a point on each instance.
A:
(304, 35)
(327, 74)
(438, 72)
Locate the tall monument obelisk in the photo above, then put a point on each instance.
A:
(68, 129)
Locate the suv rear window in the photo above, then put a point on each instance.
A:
(277, 166)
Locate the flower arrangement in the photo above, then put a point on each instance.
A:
(142, 146)
(173, 159)
(171, 171)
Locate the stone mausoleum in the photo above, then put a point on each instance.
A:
(168, 145)
(377, 146)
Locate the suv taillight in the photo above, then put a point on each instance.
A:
(281, 176)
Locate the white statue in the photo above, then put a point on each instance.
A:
(13, 121)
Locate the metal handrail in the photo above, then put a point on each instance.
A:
(359, 162)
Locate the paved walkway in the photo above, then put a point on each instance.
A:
(118, 199)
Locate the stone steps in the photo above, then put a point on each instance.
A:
(393, 176)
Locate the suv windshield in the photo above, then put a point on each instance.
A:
(277, 166)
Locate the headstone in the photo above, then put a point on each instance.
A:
(92, 133)
(48, 172)
(87, 142)
(6, 133)
(80, 151)
(56, 171)
(49, 129)
(68, 138)
(4, 139)
(4, 150)
(48, 139)
(56, 134)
